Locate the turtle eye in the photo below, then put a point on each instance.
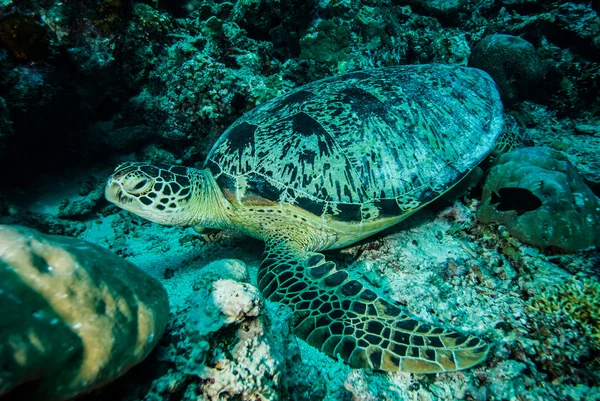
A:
(137, 185)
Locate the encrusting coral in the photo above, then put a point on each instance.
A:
(577, 301)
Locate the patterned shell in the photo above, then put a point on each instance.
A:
(362, 145)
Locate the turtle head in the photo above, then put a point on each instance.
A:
(171, 195)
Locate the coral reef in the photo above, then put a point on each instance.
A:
(74, 316)
(169, 76)
(571, 83)
(329, 43)
(85, 85)
(549, 205)
(280, 22)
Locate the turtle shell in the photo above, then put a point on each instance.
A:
(363, 145)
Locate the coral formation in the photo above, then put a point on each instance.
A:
(211, 308)
(12, 214)
(234, 346)
(24, 36)
(74, 316)
(329, 43)
(278, 21)
(79, 208)
(86, 84)
(561, 335)
(576, 301)
(513, 63)
(553, 207)
(441, 8)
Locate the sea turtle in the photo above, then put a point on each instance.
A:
(322, 167)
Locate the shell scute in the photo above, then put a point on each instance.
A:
(364, 144)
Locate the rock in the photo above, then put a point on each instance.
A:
(444, 7)
(574, 25)
(238, 344)
(513, 63)
(567, 213)
(24, 36)
(12, 214)
(5, 124)
(221, 304)
(74, 316)
(79, 208)
(281, 21)
(439, 8)
(587, 129)
(329, 43)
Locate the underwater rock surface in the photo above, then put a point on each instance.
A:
(74, 316)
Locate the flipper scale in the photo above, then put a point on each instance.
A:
(373, 332)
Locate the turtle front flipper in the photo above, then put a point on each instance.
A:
(338, 315)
